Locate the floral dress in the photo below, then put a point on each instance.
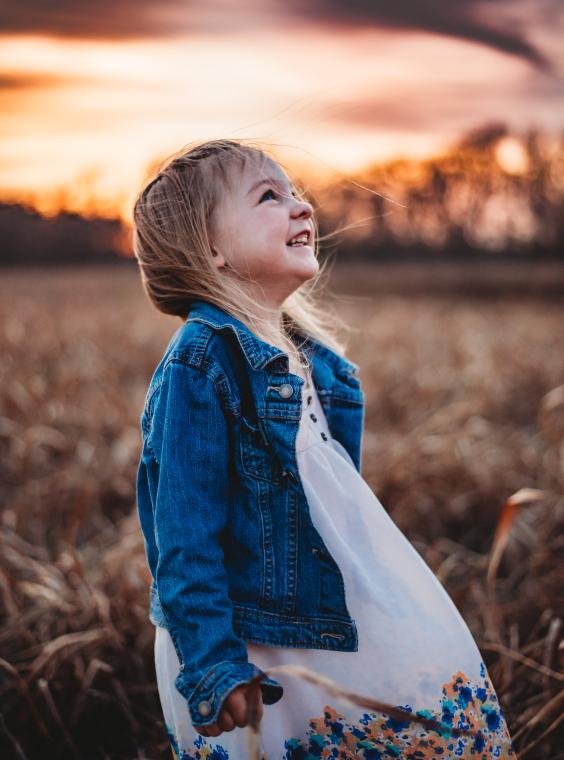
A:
(415, 650)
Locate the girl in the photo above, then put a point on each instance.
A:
(265, 544)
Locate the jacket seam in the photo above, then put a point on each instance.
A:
(248, 351)
(210, 674)
(331, 357)
(290, 619)
(150, 399)
(197, 356)
(175, 360)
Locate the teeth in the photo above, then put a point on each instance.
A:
(299, 240)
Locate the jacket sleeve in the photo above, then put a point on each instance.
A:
(189, 441)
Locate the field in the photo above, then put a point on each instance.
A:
(465, 410)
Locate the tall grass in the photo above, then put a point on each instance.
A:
(464, 445)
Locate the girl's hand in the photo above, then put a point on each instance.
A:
(233, 713)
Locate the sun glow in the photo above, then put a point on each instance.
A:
(511, 156)
(82, 119)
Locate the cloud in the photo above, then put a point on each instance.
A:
(19, 82)
(92, 19)
(497, 25)
(500, 25)
(446, 109)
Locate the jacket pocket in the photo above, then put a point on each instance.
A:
(257, 456)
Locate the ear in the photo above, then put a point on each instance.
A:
(217, 258)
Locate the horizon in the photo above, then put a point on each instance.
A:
(91, 103)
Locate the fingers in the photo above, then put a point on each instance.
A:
(225, 721)
(211, 730)
(236, 705)
(233, 712)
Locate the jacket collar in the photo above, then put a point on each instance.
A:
(257, 352)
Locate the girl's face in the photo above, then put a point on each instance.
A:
(251, 228)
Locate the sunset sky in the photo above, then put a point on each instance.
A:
(93, 92)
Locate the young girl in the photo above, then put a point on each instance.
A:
(265, 544)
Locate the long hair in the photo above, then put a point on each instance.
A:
(171, 224)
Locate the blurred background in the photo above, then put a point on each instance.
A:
(430, 138)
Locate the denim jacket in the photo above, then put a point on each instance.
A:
(231, 547)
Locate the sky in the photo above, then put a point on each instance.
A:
(94, 93)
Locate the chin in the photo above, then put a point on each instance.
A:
(309, 276)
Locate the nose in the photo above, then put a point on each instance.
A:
(302, 208)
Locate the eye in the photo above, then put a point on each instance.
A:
(270, 190)
(273, 192)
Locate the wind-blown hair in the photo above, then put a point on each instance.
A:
(171, 225)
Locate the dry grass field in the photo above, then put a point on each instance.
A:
(464, 436)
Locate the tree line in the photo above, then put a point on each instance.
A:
(490, 195)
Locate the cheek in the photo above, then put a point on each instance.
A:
(271, 240)
(273, 224)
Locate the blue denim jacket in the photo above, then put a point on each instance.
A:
(233, 552)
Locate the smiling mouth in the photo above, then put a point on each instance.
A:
(302, 242)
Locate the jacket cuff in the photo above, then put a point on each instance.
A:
(206, 699)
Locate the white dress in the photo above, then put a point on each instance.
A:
(415, 650)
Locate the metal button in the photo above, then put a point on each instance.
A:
(285, 390)
(204, 708)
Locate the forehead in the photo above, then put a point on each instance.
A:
(257, 170)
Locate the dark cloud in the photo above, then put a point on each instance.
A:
(32, 81)
(498, 24)
(94, 19)
(482, 21)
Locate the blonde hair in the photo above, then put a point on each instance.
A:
(171, 220)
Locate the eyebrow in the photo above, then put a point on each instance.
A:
(268, 181)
